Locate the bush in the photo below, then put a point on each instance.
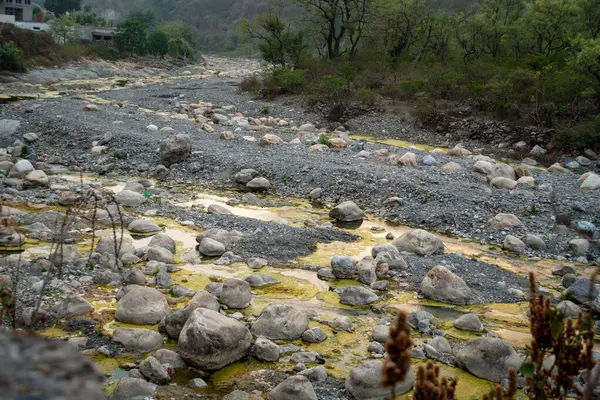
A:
(583, 136)
(11, 58)
(290, 80)
(251, 83)
(366, 96)
(325, 139)
(73, 51)
(105, 52)
(407, 90)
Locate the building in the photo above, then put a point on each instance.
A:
(21, 10)
(97, 34)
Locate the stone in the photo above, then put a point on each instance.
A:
(502, 171)
(441, 284)
(236, 294)
(408, 159)
(141, 306)
(142, 226)
(568, 308)
(504, 221)
(535, 242)
(513, 244)
(592, 182)
(164, 241)
(388, 254)
(579, 247)
(582, 291)
(256, 262)
(376, 347)
(357, 296)
(166, 356)
(152, 128)
(65, 254)
(315, 374)
(488, 358)
(211, 341)
(280, 322)
(366, 270)
(35, 178)
(344, 267)
(73, 307)
(315, 194)
(259, 184)
(314, 335)
(347, 211)
(226, 135)
(563, 269)
(154, 371)
(305, 357)
(468, 322)
(451, 166)
(133, 389)
(266, 350)
(138, 339)
(175, 150)
(129, 198)
(483, 167)
(261, 280)
(218, 209)
(438, 348)
(420, 242)
(269, 140)
(429, 160)
(363, 382)
(537, 151)
(8, 127)
(572, 165)
(107, 244)
(297, 387)
(567, 280)
(503, 183)
(245, 176)
(211, 248)
(381, 333)
(21, 169)
(159, 254)
(557, 168)
(198, 383)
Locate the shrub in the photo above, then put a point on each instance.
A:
(407, 90)
(366, 96)
(325, 139)
(250, 83)
(73, 51)
(583, 136)
(105, 52)
(290, 80)
(11, 57)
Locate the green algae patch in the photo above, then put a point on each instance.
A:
(288, 288)
(54, 332)
(191, 280)
(397, 143)
(238, 373)
(108, 365)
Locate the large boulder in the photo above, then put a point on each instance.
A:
(73, 306)
(488, 358)
(141, 306)
(278, 321)
(107, 244)
(443, 285)
(357, 296)
(387, 253)
(366, 270)
(582, 291)
(138, 339)
(296, 387)
(502, 171)
(419, 242)
(236, 293)
(142, 226)
(211, 248)
(343, 267)
(364, 382)
(133, 389)
(211, 341)
(266, 350)
(129, 198)
(468, 322)
(347, 211)
(165, 241)
(175, 150)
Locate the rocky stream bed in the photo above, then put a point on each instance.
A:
(194, 242)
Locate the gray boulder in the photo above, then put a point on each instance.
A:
(513, 244)
(245, 176)
(488, 358)
(366, 270)
(166, 356)
(314, 335)
(364, 382)
(569, 308)
(260, 280)
(211, 341)
(106, 244)
(73, 306)
(347, 211)
(278, 321)
(297, 387)
(419, 242)
(236, 293)
(259, 184)
(468, 322)
(211, 248)
(582, 291)
(343, 267)
(357, 296)
(315, 374)
(164, 241)
(154, 371)
(133, 389)
(129, 198)
(389, 254)
(142, 306)
(134, 276)
(142, 226)
(265, 350)
(159, 254)
(138, 339)
(175, 150)
(441, 284)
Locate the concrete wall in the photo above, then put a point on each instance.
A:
(7, 19)
(33, 26)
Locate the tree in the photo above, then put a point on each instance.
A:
(131, 37)
(338, 20)
(146, 17)
(158, 43)
(61, 7)
(65, 29)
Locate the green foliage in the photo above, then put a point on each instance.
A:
(11, 58)
(61, 7)
(291, 81)
(409, 89)
(183, 39)
(131, 37)
(585, 135)
(64, 29)
(325, 139)
(146, 17)
(264, 110)
(104, 52)
(158, 43)
(366, 96)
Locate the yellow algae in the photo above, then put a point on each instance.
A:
(107, 365)
(288, 288)
(53, 332)
(397, 143)
(191, 280)
(236, 372)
